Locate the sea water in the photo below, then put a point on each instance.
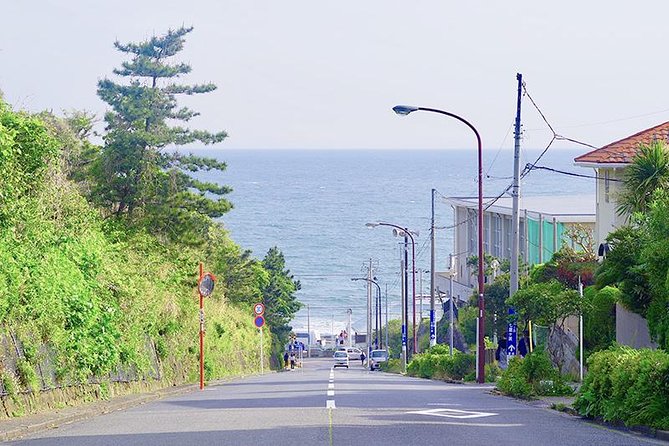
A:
(314, 205)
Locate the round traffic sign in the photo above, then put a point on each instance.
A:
(259, 321)
(258, 308)
(206, 285)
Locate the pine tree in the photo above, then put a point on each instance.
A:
(140, 176)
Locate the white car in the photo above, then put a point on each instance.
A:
(376, 358)
(340, 359)
(353, 352)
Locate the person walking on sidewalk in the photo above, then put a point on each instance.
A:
(500, 353)
(362, 358)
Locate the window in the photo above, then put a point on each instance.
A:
(471, 232)
(508, 230)
(496, 235)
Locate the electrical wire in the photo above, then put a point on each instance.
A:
(550, 169)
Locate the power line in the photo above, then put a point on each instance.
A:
(550, 169)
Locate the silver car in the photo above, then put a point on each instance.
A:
(340, 359)
(376, 358)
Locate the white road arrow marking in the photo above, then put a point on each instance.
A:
(453, 413)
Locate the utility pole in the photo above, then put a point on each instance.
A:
(433, 322)
(404, 315)
(515, 194)
(451, 264)
(350, 334)
(308, 332)
(420, 310)
(580, 330)
(387, 317)
(406, 287)
(369, 308)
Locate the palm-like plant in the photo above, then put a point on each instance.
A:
(648, 172)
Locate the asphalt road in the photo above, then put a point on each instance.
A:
(320, 406)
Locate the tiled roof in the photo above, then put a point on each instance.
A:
(623, 151)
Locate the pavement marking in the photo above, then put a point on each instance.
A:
(330, 392)
(453, 413)
(330, 404)
(331, 386)
(444, 404)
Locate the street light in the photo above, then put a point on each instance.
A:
(407, 233)
(405, 110)
(377, 319)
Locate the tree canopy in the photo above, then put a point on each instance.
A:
(140, 175)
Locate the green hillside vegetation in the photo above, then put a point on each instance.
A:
(98, 274)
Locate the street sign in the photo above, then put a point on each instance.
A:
(259, 309)
(259, 321)
(206, 285)
(511, 337)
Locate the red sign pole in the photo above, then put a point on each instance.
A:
(201, 331)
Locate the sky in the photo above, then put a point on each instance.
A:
(312, 74)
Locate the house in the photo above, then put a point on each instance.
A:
(609, 163)
(544, 222)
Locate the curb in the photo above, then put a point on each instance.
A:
(645, 431)
(83, 413)
(100, 407)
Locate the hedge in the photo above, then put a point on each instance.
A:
(629, 386)
(438, 363)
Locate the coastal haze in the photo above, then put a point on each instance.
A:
(310, 75)
(314, 206)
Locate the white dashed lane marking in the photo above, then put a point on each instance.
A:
(330, 403)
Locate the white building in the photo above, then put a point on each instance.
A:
(543, 223)
(609, 164)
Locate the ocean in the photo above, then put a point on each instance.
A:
(314, 204)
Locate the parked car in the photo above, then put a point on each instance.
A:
(376, 358)
(316, 352)
(340, 359)
(353, 352)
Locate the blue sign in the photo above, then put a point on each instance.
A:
(259, 321)
(433, 327)
(511, 335)
(404, 335)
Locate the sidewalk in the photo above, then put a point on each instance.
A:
(14, 428)
(566, 404)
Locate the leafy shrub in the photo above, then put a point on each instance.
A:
(439, 364)
(599, 321)
(393, 365)
(531, 376)
(8, 383)
(27, 376)
(627, 385)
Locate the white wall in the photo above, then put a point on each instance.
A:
(607, 191)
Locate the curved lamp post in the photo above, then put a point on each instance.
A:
(407, 233)
(405, 110)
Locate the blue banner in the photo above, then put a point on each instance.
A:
(433, 326)
(511, 335)
(404, 335)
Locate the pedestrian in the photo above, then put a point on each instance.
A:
(292, 361)
(524, 344)
(285, 359)
(500, 353)
(362, 358)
